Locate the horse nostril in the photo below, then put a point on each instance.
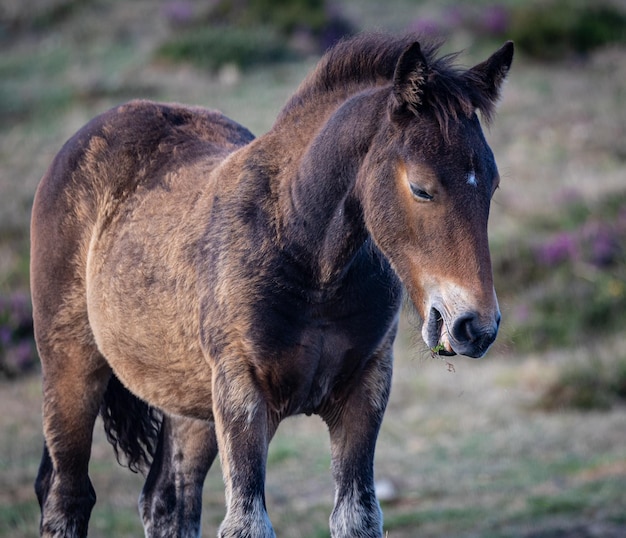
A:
(464, 329)
(473, 337)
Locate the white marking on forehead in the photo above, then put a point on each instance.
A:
(471, 178)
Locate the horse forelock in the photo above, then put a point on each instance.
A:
(449, 91)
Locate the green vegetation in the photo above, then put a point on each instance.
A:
(439, 347)
(213, 47)
(586, 386)
(567, 279)
(553, 30)
(567, 275)
(245, 33)
(16, 518)
(286, 16)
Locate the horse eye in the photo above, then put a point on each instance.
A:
(420, 193)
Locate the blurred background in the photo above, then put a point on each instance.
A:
(528, 442)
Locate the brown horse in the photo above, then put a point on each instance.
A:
(195, 285)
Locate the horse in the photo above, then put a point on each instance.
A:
(195, 285)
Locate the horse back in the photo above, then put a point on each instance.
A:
(132, 146)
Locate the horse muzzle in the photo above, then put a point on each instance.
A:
(466, 334)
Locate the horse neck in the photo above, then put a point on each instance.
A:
(324, 214)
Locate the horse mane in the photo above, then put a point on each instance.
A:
(369, 60)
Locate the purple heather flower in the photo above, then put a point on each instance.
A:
(426, 27)
(602, 241)
(454, 16)
(178, 12)
(5, 335)
(495, 20)
(20, 306)
(559, 248)
(21, 357)
(568, 196)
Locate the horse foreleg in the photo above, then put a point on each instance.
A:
(73, 384)
(171, 501)
(353, 432)
(243, 433)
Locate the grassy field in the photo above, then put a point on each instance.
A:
(470, 452)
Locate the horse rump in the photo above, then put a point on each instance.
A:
(131, 426)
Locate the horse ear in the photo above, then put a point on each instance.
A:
(410, 77)
(490, 74)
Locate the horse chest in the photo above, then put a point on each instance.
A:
(310, 351)
(329, 359)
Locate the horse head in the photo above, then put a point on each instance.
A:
(427, 185)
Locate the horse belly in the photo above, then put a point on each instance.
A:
(143, 314)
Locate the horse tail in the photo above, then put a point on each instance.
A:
(131, 426)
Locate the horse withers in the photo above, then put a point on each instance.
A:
(195, 285)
